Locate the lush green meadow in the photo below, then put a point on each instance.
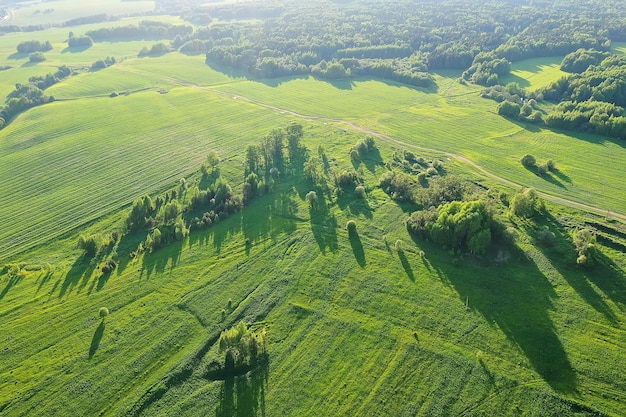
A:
(355, 326)
(368, 330)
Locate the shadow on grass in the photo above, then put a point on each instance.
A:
(547, 177)
(348, 202)
(372, 160)
(14, 280)
(78, 275)
(323, 225)
(517, 298)
(562, 176)
(43, 280)
(562, 255)
(95, 340)
(74, 49)
(157, 261)
(406, 265)
(244, 395)
(357, 248)
(340, 84)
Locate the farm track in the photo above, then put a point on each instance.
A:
(359, 128)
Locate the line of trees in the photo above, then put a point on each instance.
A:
(28, 47)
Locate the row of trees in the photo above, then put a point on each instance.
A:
(28, 47)
(31, 94)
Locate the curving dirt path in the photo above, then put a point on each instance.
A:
(356, 127)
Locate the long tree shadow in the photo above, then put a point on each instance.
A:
(78, 274)
(562, 256)
(516, 298)
(12, 281)
(323, 225)
(406, 265)
(244, 395)
(357, 248)
(348, 202)
(157, 261)
(268, 216)
(95, 340)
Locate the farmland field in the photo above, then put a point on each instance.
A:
(372, 321)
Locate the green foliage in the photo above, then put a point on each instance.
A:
(526, 203)
(157, 49)
(90, 244)
(80, 41)
(508, 109)
(250, 187)
(581, 59)
(311, 198)
(462, 225)
(241, 346)
(36, 57)
(109, 266)
(359, 192)
(399, 186)
(103, 312)
(584, 243)
(351, 227)
(529, 161)
(27, 47)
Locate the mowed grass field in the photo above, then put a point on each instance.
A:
(453, 119)
(354, 326)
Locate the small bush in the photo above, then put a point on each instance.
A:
(103, 312)
(351, 227)
(551, 165)
(432, 171)
(109, 266)
(311, 198)
(545, 236)
(359, 192)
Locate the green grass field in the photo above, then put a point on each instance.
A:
(355, 327)
(367, 330)
(535, 73)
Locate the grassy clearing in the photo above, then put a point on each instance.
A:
(533, 74)
(368, 331)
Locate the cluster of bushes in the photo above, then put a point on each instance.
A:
(398, 185)
(103, 63)
(109, 266)
(584, 242)
(155, 50)
(486, 69)
(29, 95)
(529, 161)
(456, 225)
(28, 47)
(80, 41)
(589, 116)
(526, 203)
(36, 57)
(241, 347)
(362, 148)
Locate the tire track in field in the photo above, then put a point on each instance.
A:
(359, 128)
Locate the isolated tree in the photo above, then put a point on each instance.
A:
(351, 227)
(311, 198)
(103, 312)
(584, 242)
(528, 161)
